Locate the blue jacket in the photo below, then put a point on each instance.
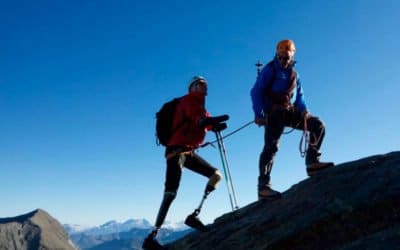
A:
(280, 80)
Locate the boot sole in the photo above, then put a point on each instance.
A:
(311, 172)
(269, 198)
(193, 222)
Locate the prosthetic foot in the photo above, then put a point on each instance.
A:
(194, 222)
(150, 243)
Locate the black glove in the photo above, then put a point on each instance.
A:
(219, 127)
(214, 120)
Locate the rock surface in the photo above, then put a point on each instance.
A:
(355, 205)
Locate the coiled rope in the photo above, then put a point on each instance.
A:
(305, 139)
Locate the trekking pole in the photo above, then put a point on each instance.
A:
(227, 172)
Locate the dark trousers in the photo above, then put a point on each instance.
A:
(277, 120)
(191, 161)
(180, 158)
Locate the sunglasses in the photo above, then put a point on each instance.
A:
(284, 58)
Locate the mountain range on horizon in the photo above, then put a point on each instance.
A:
(354, 205)
(39, 230)
(113, 226)
(121, 235)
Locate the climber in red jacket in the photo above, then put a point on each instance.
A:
(191, 122)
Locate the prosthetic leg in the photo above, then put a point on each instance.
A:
(150, 243)
(193, 220)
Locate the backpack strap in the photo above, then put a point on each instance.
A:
(281, 99)
(268, 91)
(182, 121)
(293, 82)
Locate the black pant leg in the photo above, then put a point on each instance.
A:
(173, 173)
(272, 133)
(317, 133)
(198, 165)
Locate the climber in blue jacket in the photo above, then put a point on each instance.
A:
(278, 101)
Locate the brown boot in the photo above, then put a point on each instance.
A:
(317, 166)
(268, 194)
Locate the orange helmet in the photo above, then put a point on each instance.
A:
(285, 46)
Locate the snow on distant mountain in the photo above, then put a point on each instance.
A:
(122, 234)
(74, 228)
(113, 226)
(175, 226)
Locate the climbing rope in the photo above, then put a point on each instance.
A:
(305, 139)
(227, 135)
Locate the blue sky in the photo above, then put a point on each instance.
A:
(80, 83)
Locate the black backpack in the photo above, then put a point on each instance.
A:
(164, 121)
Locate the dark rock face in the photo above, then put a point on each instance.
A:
(355, 205)
(35, 230)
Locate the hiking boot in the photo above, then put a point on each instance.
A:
(317, 166)
(194, 222)
(268, 193)
(150, 243)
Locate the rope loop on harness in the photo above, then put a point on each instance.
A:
(305, 139)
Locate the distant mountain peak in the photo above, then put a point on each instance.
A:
(33, 230)
(109, 223)
(24, 217)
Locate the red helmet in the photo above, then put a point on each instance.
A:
(285, 46)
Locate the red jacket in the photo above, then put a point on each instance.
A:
(189, 111)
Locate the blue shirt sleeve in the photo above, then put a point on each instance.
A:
(299, 103)
(257, 93)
